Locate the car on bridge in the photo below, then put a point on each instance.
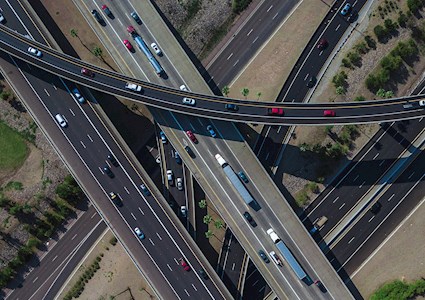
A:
(192, 136)
(128, 45)
(231, 107)
(133, 87)
(275, 111)
(35, 52)
(211, 131)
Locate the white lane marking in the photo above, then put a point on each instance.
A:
(141, 211)
(91, 140)
(255, 282)
(233, 266)
(72, 113)
(134, 217)
(193, 127)
(101, 170)
(355, 2)
(352, 239)
(169, 267)
(275, 16)
(260, 290)
(420, 120)
(320, 53)
(360, 186)
(342, 206)
(35, 279)
(236, 63)
(75, 235)
(249, 32)
(93, 215)
(356, 177)
(267, 156)
(54, 258)
(187, 293)
(254, 40)
(194, 287)
(373, 217)
(411, 175)
(336, 199)
(402, 140)
(382, 162)
(150, 240)
(54, 86)
(278, 130)
(47, 92)
(306, 76)
(375, 156)
(83, 144)
(336, 29)
(126, 189)
(159, 236)
(231, 54)
(392, 196)
(177, 262)
(120, 22)
(269, 8)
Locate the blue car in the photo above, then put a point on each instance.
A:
(145, 189)
(243, 177)
(139, 233)
(178, 158)
(346, 9)
(211, 131)
(78, 95)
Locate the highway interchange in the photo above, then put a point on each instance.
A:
(76, 137)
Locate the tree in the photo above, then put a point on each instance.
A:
(340, 90)
(97, 51)
(74, 33)
(202, 203)
(361, 48)
(340, 79)
(390, 25)
(354, 58)
(208, 234)
(370, 41)
(380, 32)
(259, 95)
(218, 224)
(207, 219)
(391, 63)
(225, 90)
(245, 92)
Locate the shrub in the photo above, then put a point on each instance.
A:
(390, 25)
(340, 90)
(113, 241)
(354, 58)
(359, 99)
(340, 79)
(239, 5)
(402, 19)
(361, 48)
(380, 32)
(414, 5)
(346, 63)
(370, 42)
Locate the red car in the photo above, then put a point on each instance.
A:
(184, 265)
(191, 136)
(275, 111)
(87, 72)
(322, 44)
(131, 29)
(128, 45)
(329, 113)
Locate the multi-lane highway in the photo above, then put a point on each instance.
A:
(310, 63)
(207, 106)
(86, 142)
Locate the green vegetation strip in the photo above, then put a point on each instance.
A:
(13, 149)
(399, 290)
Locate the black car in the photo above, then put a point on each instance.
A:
(353, 16)
(376, 208)
(320, 285)
(117, 201)
(108, 171)
(136, 17)
(311, 81)
(189, 151)
(263, 256)
(231, 107)
(113, 161)
(249, 218)
(97, 16)
(203, 274)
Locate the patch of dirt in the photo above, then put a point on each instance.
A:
(117, 277)
(198, 29)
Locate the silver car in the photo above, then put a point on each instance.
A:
(189, 101)
(179, 183)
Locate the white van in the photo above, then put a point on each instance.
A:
(276, 258)
(61, 120)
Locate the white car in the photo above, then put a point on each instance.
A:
(133, 87)
(183, 88)
(189, 101)
(34, 51)
(1, 18)
(422, 103)
(61, 120)
(170, 177)
(183, 211)
(179, 183)
(156, 49)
